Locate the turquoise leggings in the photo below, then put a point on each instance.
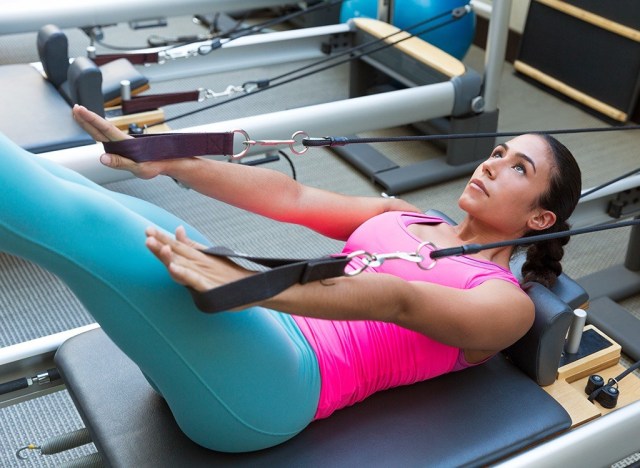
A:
(235, 382)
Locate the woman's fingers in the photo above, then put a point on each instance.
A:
(189, 266)
(99, 128)
(181, 236)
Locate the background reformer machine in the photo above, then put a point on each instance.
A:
(435, 86)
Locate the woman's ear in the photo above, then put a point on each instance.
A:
(542, 220)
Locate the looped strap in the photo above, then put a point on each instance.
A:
(160, 146)
(282, 274)
(153, 101)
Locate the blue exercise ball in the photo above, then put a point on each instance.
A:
(454, 38)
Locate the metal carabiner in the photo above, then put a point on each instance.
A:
(377, 260)
(370, 260)
(296, 139)
(204, 93)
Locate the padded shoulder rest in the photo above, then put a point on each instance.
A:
(472, 417)
(53, 50)
(84, 85)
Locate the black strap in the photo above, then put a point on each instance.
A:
(159, 146)
(153, 101)
(282, 274)
(139, 58)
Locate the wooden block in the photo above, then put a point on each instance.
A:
(569, 389)
(574, 403)
(592, 363)
(141, 118)
(629, 387)
(117, 100)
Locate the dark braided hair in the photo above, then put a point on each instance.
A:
(543, 258)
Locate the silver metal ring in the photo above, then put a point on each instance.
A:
(303, 136)
(246, 144)
(433, 262)
(358, 253)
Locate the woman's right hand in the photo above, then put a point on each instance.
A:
(102, 130)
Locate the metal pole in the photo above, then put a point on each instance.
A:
(495, 52)
(385, 11)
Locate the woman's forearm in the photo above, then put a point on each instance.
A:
(275, 195)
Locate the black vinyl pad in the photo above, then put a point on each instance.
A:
(34, 114)
(472, 417)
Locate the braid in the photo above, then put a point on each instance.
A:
(543, 258)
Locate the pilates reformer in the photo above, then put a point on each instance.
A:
(499, 409)
(435, 85)
(353, 426)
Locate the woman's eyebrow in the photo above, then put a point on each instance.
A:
(521, 156)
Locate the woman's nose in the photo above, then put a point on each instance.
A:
(489, 168)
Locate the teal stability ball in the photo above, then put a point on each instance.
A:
(454, 38)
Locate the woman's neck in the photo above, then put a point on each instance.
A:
(473, 231)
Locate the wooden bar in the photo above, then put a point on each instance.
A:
(591, 18)
(414, 47)
(571, 92)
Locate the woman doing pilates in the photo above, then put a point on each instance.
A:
(255, 377)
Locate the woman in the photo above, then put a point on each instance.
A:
(254, 378)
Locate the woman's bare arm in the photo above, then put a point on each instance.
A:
(259, 190)
(487, 318)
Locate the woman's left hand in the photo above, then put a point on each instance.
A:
(187, 265)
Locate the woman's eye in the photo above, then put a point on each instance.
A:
(496, 155)
(520, 168)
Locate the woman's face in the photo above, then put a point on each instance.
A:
(504, 190)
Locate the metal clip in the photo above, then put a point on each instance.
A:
(175, 54)
(370, 260)
(210, 94)
(296, 139)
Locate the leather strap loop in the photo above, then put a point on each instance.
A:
(263, 285)
(153, 101)
(160, 146)
(141, 58)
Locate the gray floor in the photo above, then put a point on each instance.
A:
(34, 303)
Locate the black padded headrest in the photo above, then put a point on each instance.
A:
(53, 49)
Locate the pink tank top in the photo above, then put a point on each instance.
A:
(359, 358)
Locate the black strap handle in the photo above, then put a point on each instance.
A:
(283, 273)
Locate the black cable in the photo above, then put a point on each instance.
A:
(270, 86)
(475, 248)
(294, 176)
(342, 141)
(359, 47)
(627, 372)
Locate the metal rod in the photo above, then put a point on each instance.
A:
(495, 52)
